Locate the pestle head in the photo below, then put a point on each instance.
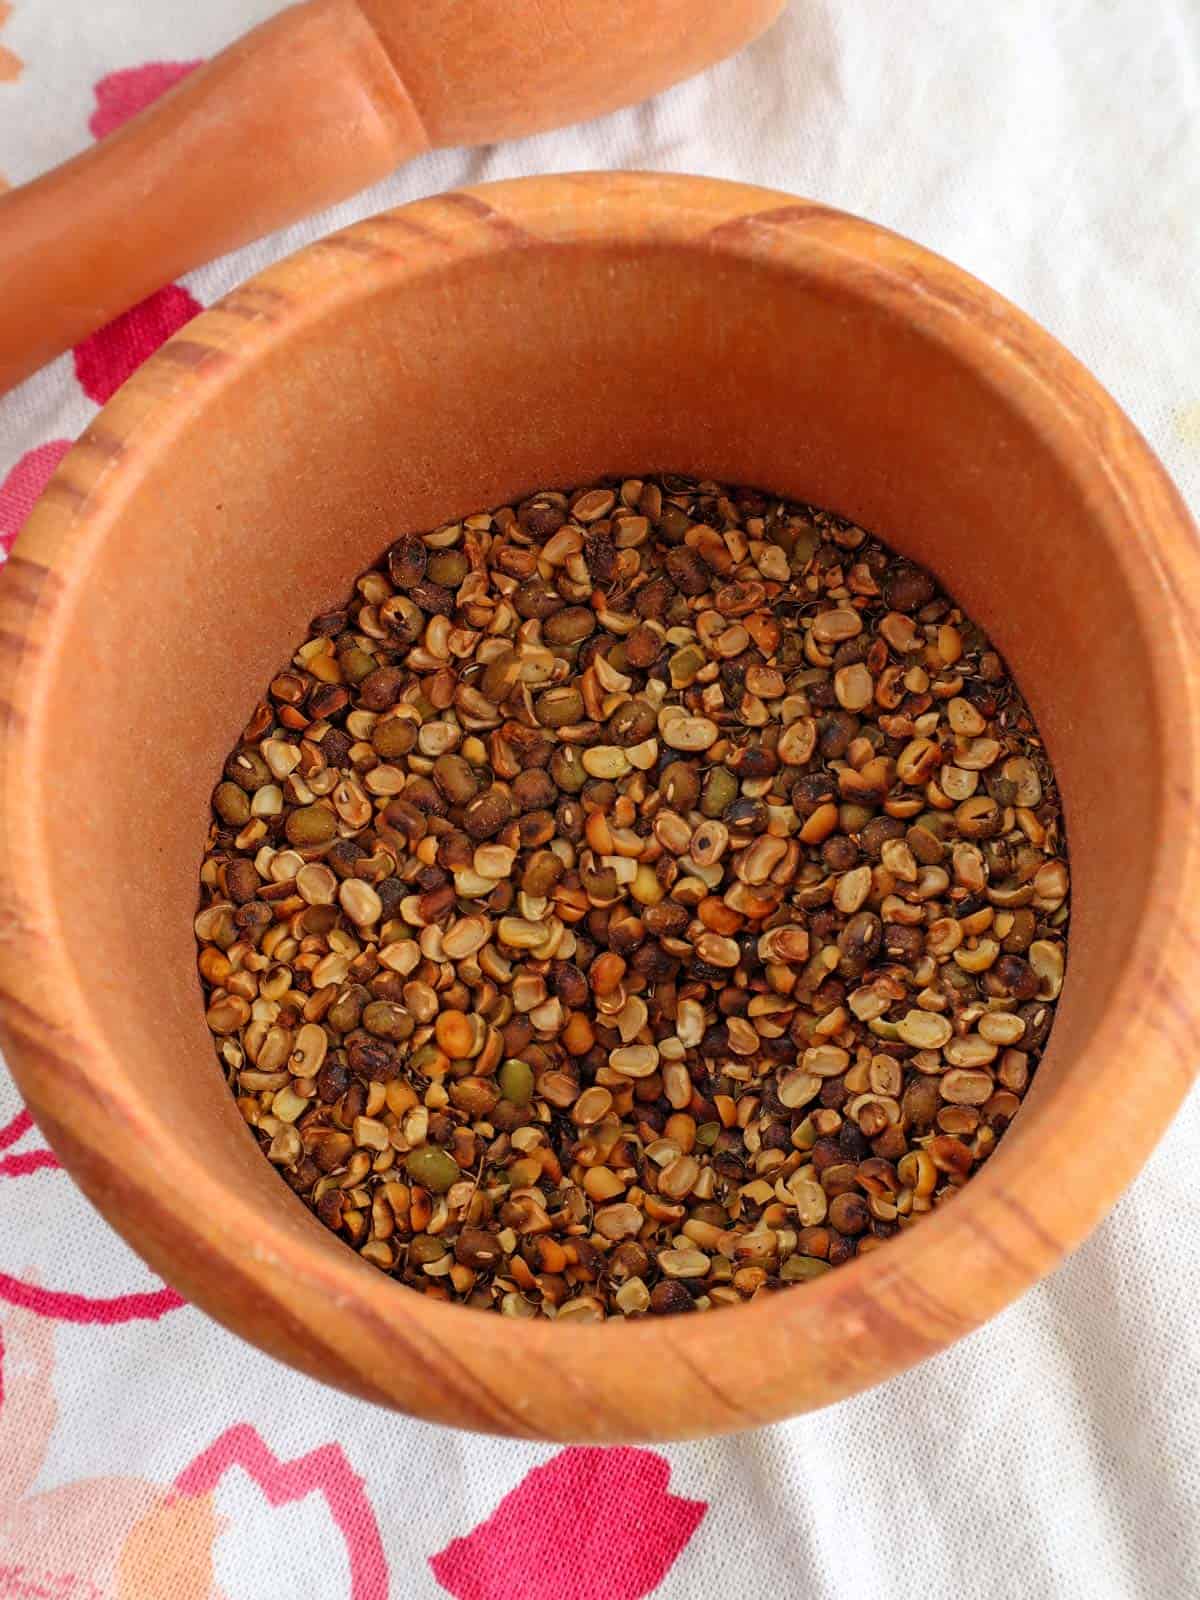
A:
(478, 71)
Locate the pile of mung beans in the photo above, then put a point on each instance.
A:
(631, 901)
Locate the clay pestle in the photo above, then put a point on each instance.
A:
(322, 100)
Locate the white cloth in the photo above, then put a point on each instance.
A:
(1051, 148)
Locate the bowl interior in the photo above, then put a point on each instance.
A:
(408, 399)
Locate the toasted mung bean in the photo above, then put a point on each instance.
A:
(633, 900)
(432, 1169)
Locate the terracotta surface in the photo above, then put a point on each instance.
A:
(452, 355)
(315, 104)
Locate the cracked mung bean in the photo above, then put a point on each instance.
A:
(632, 901)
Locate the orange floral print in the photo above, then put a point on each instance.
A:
(11, 64)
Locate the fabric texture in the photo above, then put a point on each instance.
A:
(145, 1454)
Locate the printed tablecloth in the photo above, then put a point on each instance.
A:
(145, 1454)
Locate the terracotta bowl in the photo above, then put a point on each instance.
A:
(452, 355)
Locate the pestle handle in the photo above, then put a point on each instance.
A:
(296, 115)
